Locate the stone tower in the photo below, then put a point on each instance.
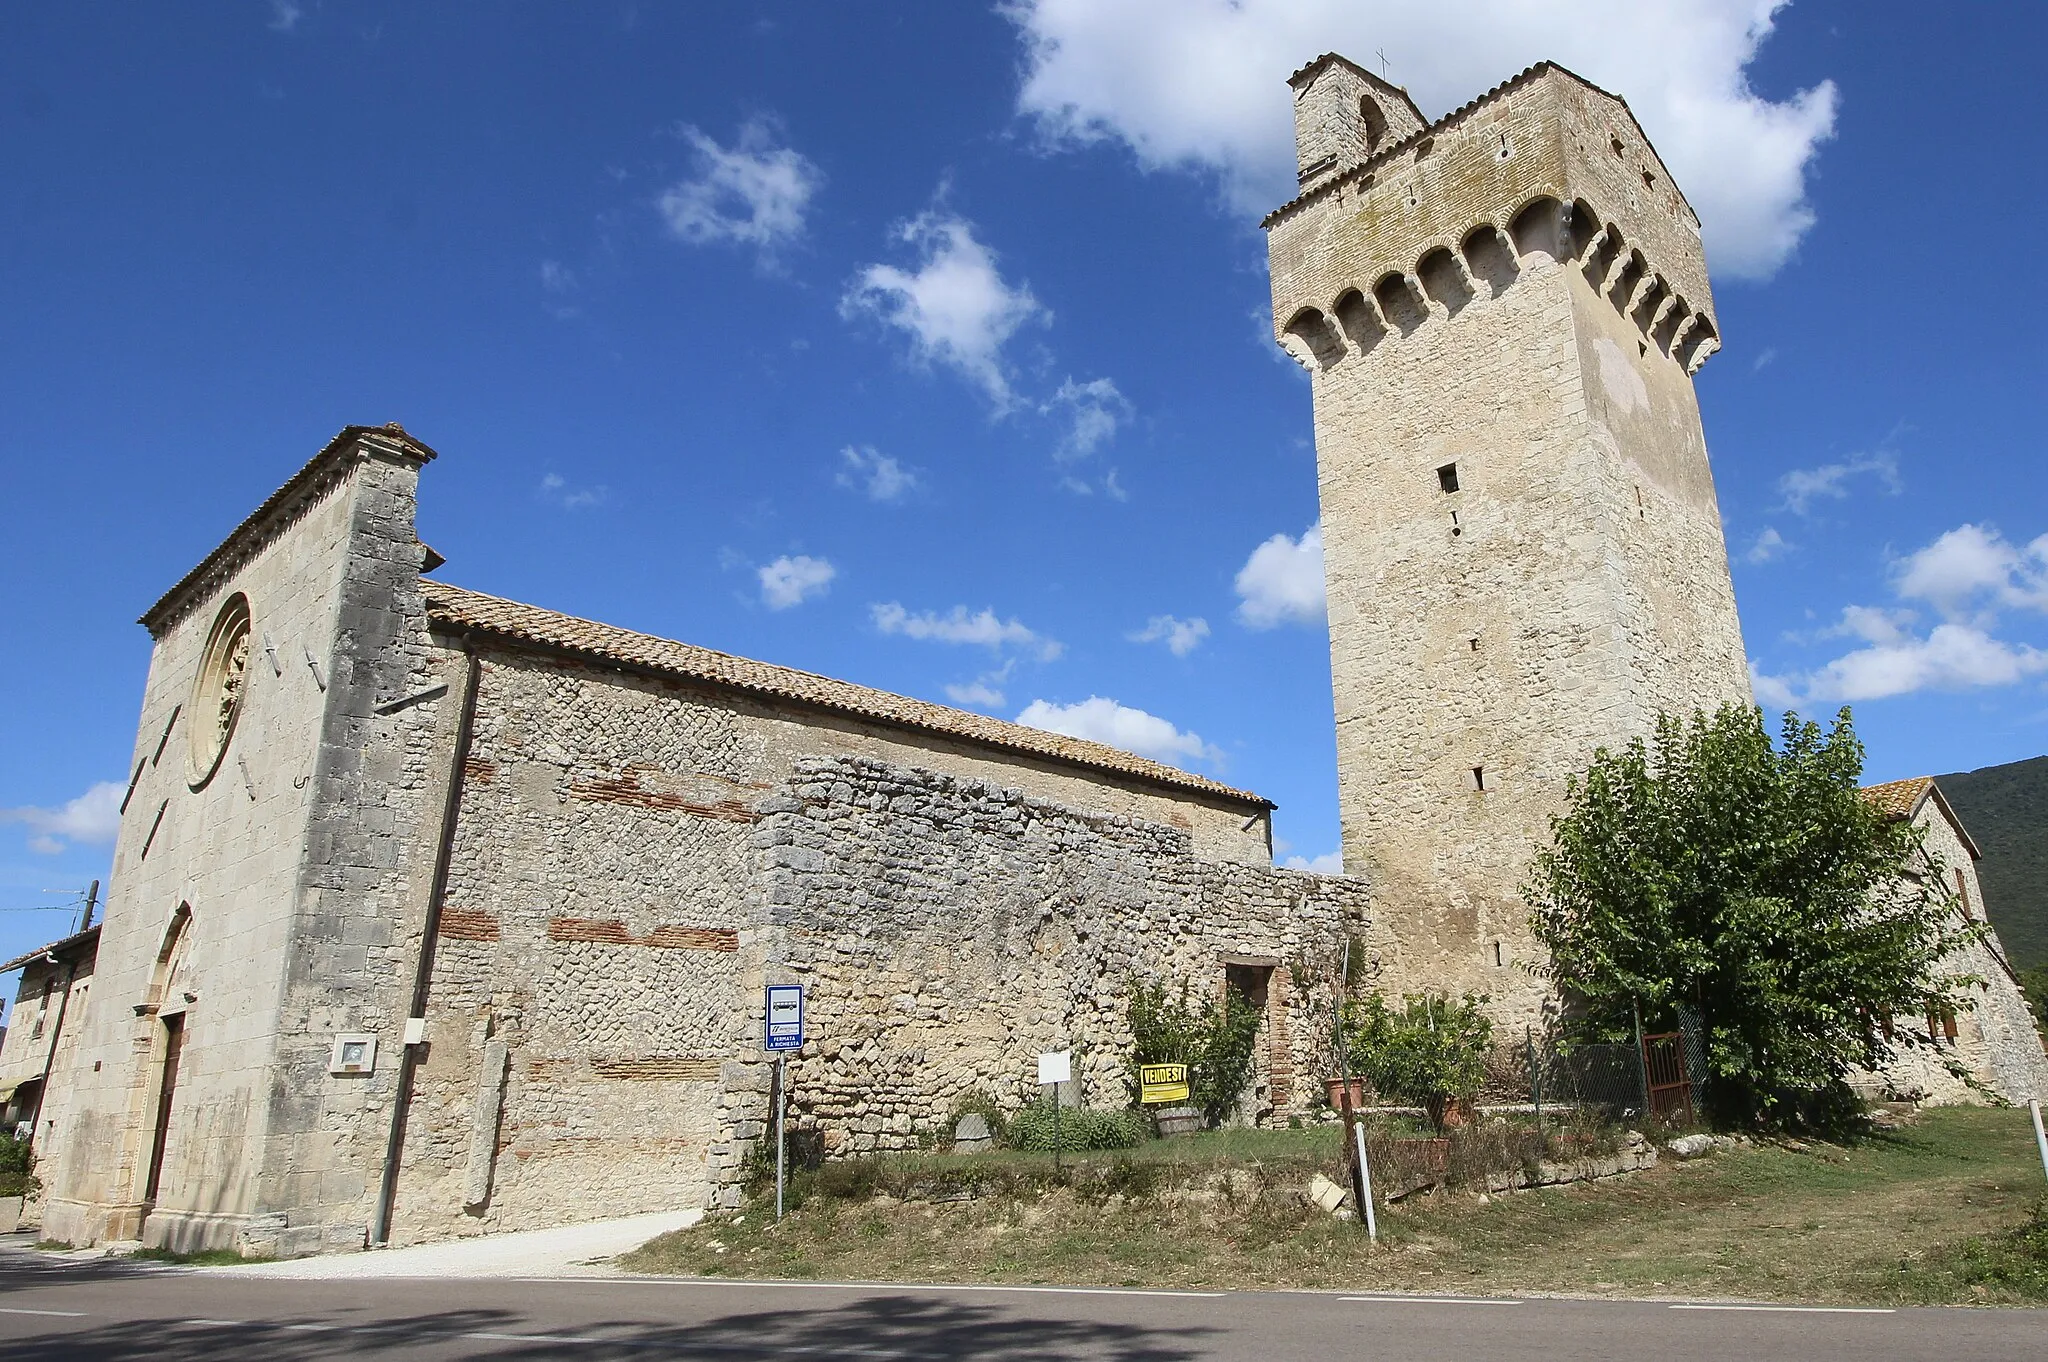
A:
(1501, 312)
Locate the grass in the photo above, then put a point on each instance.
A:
(202, 1258)
(1947, 1210)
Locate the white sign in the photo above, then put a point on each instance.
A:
(1056, 1066)
(784, 1025)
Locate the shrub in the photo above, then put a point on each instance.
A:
(17, 1175)
(1215, 1040)
(1430, 1051)
(1079, 1128)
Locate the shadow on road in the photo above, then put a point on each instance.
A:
(879, 1327)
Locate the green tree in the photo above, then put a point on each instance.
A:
(1756, 885)
(1215, 1040)
(1429, 1052)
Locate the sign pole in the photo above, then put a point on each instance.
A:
(2040, 1136)
(781, 1142)
(782, 1030)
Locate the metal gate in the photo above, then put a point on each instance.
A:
(1665, 1075)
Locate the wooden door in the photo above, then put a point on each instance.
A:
(174, 1044)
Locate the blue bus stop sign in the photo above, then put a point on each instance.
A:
(783, 1028)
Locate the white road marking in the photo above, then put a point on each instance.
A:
(877, 1286)
(55, 1314)
(1426, 1300)
(1798, 1309)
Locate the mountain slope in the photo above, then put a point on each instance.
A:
(2006, 810)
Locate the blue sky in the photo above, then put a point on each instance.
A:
(927, 345)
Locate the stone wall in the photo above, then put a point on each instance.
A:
(948, 930)
(602, 929)
(1995, 1037)
(206, 919)
(1522, 549)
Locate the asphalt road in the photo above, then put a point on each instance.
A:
(82, 1311)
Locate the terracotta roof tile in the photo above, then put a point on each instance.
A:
(1899, 798)
(458, 609)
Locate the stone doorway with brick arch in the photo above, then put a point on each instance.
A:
(1259, 980)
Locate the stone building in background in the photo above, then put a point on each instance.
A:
(1502, 311)
(434, 913)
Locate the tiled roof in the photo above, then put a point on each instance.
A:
(460, 610)
(1901, 799)
(79, 944)
(301, 486)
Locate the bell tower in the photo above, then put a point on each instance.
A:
(1501, 313)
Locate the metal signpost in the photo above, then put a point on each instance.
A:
(782, 1030)
(1056, 1067)
(2040, 1135)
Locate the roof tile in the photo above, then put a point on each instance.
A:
(458, 609)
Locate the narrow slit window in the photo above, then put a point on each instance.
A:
(1456, 528)
(1447, 477)
(1499, 954)
(1479, 779)
(1474, 642)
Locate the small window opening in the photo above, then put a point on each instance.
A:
(1499, 954)
(1479, 779)
(1649, 180)
(1616, 144)
(1456, 528)
(1475, 643)
(1641, 514)
(1447, 477)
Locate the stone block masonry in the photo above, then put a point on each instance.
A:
(949, 930)
(1522, 547)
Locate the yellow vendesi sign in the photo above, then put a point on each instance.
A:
(1162, 1083)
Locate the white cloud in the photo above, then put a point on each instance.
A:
(1282, 582)
(958, 625)
(754, 193)
(555, 488)
(1952, 657)
(1180, 636)
(1772, 692)
(1972, 569)
(1329, 863)
(1093, 412)
(977, 694)
(791, 581)
(879, 476)
(954, 304)
(285, 15)
(1801, 487)
(556, 277)
(1199, 85)
(1766, 546)
(94, 816)
(1970, 575)
(1133, 730)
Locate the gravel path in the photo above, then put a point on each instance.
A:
(566, 1250)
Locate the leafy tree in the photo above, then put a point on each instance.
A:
(1755, 885)
(1215, 1039)
(1432, 1050)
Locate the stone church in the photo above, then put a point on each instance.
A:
(435, 913)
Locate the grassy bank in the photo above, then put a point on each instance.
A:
(1932, 1213)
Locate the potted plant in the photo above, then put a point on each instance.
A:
(1431, 1053)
